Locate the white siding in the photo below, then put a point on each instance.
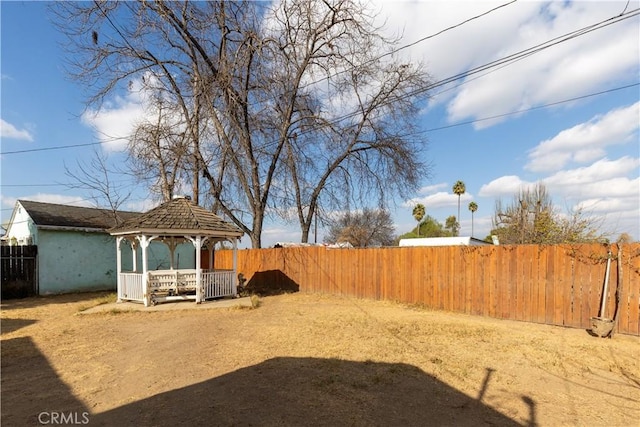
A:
(21, 227)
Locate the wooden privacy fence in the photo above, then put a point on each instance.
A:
(19, 271)
(556, 285)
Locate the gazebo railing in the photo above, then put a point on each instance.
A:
(178, 281)
(131, 287)
(218, 283)
(215, 284)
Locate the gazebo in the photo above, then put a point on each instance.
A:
(173, 223)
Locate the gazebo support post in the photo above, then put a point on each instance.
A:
(234, 281)
(171, 244)
(119, 266)
(144, 243)
(134, 255)
(211, 246)
(199, 290)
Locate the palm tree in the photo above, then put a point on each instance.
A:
(459, 189)
(473, 206)
(418, 213)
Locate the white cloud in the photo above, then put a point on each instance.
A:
(586, 142)
(606, 205)
(604, 178)
(504, 186)
(115, 122)
(582, 65)
(439, 200)
(9, 131)
(427, 189)
(273, 234)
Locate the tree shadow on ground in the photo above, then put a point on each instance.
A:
(283, 391)
(271, 282)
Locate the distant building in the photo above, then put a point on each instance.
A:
(443, 241)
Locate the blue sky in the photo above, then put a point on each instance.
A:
(586, 151)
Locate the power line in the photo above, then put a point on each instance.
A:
(507, 60)
(525, 110)
(33, 185)
(564, 101)
(59, 184)
(57, 147)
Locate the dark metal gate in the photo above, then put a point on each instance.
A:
(19, 271)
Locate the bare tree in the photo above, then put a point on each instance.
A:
(294, 108)
(348, 111)
(99, 180)
(370, 227)
(157, 150)
(531, 218)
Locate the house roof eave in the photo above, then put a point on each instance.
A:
(170, 232)
(67, 228)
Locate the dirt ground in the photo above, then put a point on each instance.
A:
(302, 360)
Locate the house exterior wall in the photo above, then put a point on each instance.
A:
(75, 261)
(71, 261)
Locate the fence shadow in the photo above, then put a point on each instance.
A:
(271, 282)
(311, 391)
(9, 325)
(38, 301)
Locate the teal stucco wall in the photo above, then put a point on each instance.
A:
(75, 261)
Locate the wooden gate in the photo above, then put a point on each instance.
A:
(19, 271)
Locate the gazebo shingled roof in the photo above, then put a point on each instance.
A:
(178, 216)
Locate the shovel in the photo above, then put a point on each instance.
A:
(602, 326)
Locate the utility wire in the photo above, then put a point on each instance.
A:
(525, 110)
(57, 147)
(59, 184)
(32, 185)
(60, 147)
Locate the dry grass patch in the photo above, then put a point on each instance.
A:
(309, 360)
